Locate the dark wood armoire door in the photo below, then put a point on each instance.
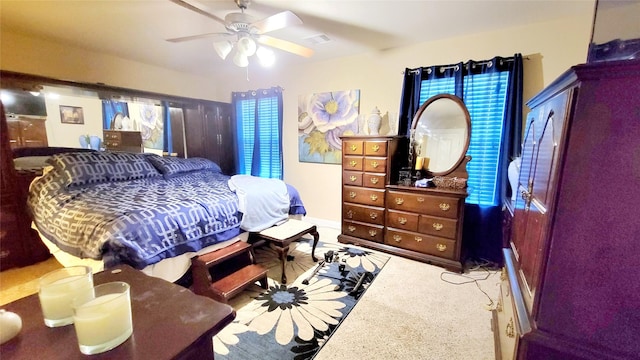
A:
(209, 135)
(540, 154)
(19, 243)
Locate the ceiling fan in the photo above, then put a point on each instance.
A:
(244, 33)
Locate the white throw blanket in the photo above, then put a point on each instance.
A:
(263, 202)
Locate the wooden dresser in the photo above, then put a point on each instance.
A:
(570, 286)
(425, 224)
(127, 141)
(368, 165)
(26, 131)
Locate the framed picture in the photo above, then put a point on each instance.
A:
(71, 115)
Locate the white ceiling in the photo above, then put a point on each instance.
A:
(138, 29)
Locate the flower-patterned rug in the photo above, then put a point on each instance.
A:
(294, 320)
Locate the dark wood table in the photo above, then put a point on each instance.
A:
(169, 322)
(281, 236)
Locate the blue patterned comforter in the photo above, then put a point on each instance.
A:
(137, 222)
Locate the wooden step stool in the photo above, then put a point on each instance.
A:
(224, 273)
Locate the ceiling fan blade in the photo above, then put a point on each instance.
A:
(285, 45)
(223, 36)
(277, 21)
(194, 8)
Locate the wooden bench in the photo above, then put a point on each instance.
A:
(224, 273)
(281, 236)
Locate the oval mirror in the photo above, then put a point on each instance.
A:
(440, 133)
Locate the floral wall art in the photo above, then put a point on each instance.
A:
(147, 118)
(322, 119)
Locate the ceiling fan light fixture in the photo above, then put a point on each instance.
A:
(247, 46)
(266, 56)
(223, 48)
(240, 59)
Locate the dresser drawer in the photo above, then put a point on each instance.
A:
(362, 213)
(377, 181)
(130, 141)
(353, 178)
(375, 148)
(364, 231)
(438, 226)
(506, 327)
(353, 147)
(425, 204)
(377, 165)
(353, 163)
(363, 196)
(422, 243)
(402, 220)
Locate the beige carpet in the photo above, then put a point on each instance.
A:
(409, 312)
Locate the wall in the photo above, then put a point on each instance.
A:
(36, 56)
(551, 47)
(67, 135)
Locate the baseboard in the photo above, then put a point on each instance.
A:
(323, 222)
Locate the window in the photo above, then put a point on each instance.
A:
(259, 131)
(484, 96)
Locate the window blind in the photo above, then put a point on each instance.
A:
(484, 96)
(258, 124)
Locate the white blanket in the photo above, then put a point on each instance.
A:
(263, 202)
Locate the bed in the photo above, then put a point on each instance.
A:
(151, 212)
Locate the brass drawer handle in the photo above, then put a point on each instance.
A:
(418, 239)
(352, 228)
(350, 214)
(373, 233)
(373, 216)
(374, 164)
(441, 247)
(353, 178)
(397, 238)
(444, 206)
(375, 148)
(509, 331)
(437, 226)
(374, 197)
(354, 147)
(402, 220)
(353, 163)
(352, 194)
(399, 201)
(420, 199)
(374, 180)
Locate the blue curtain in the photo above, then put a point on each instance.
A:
(482, 223)
(109, 110)
(168, 140)
(258, 132)
(410, 101)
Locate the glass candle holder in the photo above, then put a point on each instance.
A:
(58, 288)
(103, 321)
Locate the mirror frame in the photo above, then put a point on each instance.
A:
(463, 158)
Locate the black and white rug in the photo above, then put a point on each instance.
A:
(294, 320)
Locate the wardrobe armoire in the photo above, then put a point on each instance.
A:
(571, 284)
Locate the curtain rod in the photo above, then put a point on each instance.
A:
(484, 62)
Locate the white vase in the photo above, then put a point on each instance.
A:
(513, 173)
(374, 121)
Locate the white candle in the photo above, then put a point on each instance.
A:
(103, 319)
(56, 296)
(104, 322)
